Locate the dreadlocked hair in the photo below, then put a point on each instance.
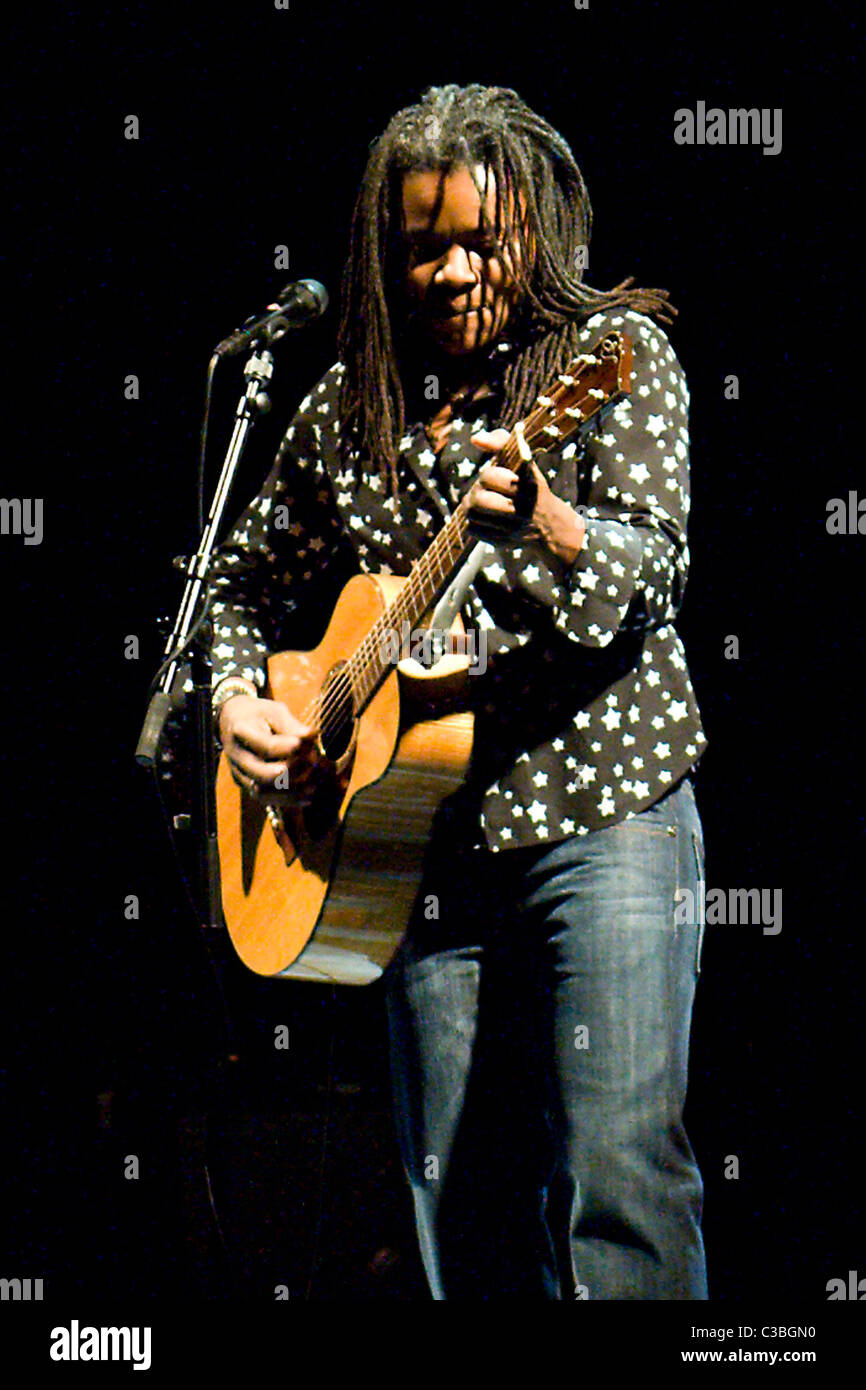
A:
(532, 166)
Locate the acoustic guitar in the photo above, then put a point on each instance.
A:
(324, 891)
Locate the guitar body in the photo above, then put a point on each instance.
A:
(324, 893)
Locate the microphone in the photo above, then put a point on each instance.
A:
(297, 304)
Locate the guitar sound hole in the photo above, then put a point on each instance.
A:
(337, 721)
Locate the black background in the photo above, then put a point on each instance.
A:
(136, 257)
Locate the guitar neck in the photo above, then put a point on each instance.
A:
(575, 399)
(429, 577)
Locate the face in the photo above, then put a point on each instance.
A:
(458, 278)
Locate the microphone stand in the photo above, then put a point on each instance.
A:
(254, 401)
(191, 637)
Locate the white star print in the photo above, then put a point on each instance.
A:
(617, 559)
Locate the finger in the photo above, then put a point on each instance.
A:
(498, 479)
(493, 503)
(490, 439)
(304, 759)
(256, 736)
(281, 720)
(258, 769)
(241, 780)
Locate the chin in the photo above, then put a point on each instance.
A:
(461, 344)
(460, 347)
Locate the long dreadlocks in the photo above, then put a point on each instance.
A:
(542, 210)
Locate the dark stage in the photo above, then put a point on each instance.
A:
(260, 1168)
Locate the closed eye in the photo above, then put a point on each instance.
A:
(425, 247)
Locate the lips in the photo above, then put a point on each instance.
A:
(451, 314)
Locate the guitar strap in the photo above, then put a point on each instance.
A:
(454, 596)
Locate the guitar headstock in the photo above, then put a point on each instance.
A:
(591, 384)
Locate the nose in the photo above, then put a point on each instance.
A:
(457, 271)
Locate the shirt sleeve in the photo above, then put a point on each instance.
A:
(284, 543)
(634, 497)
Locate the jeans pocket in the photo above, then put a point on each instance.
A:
(698, 850)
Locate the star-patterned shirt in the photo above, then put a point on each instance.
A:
(585, 713)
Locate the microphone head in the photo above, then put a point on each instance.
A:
(318, 291)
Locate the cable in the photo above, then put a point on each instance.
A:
(202, 444)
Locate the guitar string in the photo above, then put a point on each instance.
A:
(352, 679)
(326, 712)
(332, 707)
(338, 694)
(414, 593)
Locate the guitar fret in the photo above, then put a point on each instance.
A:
(430, 575)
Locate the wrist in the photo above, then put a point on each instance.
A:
(228, 689)
(563, 531)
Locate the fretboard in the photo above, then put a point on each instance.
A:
(575, 399)
(429, 577)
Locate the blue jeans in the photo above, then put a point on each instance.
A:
(539, 1013)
